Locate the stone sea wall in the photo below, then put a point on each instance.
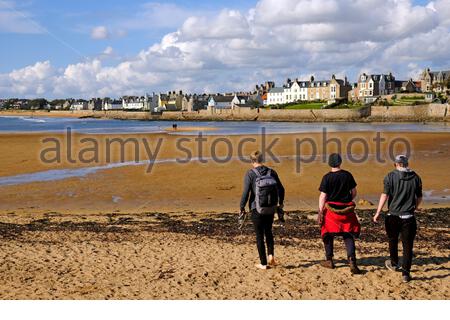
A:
(432, 112)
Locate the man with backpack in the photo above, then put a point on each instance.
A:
(264, 192)
(337, 212)
(403, 192)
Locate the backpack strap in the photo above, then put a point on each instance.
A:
(268, 174)
(256, 172)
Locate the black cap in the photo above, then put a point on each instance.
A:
(402, 159)
(335, 160)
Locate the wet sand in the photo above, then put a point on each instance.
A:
(196, 186)
(203, 256)
(182, 128)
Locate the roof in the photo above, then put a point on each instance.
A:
(276, 90)
(223, 98)
(445, 74)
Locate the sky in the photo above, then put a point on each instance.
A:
(84, 48)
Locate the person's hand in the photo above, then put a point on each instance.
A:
(376, 217)
(418, 210)
(320, 218)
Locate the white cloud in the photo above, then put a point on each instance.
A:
(32, 80)
(16, 20)
(108, 51)
(233, 50)
(228, 24)
(99, 33)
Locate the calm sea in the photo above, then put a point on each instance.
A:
(30, 124)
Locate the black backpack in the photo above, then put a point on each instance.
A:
(266, 193)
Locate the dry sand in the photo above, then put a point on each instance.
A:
(201, 256)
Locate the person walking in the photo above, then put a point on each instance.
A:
(336, 214)
(264, 193)
(403, 193)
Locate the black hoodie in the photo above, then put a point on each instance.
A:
(250, 187)
(403, 189)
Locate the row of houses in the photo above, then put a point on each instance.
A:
(368, 88)
(172, 101)
(292, 91)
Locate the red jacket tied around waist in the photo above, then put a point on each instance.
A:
(340, 218)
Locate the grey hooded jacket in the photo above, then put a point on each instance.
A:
(403, 188)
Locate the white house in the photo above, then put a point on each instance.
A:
(295, 91)
(136, 103)
(275, 96)
(225, 102)
(291, 92)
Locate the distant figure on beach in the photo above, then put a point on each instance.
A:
(174, 126)
(264, 192)
(403, 192)
(337, 212)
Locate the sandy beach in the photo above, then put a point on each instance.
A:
(123, 233)
(204, 256)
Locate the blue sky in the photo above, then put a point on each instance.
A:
(94, 48)
(71, 21)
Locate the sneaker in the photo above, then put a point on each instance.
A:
(390, 266)
(406, 278)
(327, 264)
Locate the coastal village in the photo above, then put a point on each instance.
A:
(370, 89)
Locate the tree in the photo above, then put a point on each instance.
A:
(37, 103)
(57, 102)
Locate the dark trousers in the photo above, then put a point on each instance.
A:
(263, 228)
(406, 229)
(349, 240)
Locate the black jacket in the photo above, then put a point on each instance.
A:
(250, 187)
(403, 189)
